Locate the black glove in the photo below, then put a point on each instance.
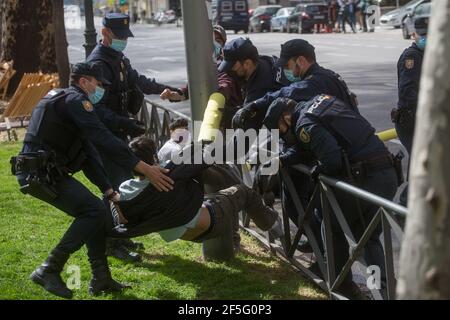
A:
(245, 118)
(134, 128)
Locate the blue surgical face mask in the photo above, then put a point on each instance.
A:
(217, 49)
(97, 95)
(290, 76)
(118, 45)
(422, 42)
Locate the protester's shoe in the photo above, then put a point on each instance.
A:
(48, 275)
(117, 250)
(276, 231)
(131, 245)
(305, 247)
(101, 281)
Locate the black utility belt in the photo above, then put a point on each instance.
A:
(361, 168)
(30, 162)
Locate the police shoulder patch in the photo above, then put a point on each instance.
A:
(304, 136)
(87, 106)
(409, 64)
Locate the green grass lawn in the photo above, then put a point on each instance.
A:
(30, 228)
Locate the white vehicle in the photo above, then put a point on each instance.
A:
(397, 17)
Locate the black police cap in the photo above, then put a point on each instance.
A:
(119, 24)
(237, 50)
(90, 69)
(275, 112)
(295, 48)
(421, 25)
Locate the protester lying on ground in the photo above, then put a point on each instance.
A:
(185, 212)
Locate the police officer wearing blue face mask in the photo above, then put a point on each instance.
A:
(307, 79)
(63, 137)
(409, 69)
(342, 144)
(124, 96)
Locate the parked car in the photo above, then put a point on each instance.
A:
(397, 17)
(231, 14)
(167, 16)
(261, 17)
(306, 15)
(279, 20)
(421, 11)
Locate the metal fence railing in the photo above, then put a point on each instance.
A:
(157, 120)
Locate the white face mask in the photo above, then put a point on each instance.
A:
(181, 136)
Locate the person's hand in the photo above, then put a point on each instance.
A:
(156, 175)
(168, 94)
(243, 115)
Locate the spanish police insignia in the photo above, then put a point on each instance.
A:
(88, 106)
(304, 136)
(409, 63)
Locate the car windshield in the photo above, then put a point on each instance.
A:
(271, 10)
(315, 9)
(411, 3)
(425, 8)
(290, 10)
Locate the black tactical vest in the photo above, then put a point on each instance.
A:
(349, 128)
(48, 130)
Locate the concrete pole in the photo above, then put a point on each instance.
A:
(202, 76)
(202, 73)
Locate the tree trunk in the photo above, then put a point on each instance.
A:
(62, 57)
(28, 37)
(425, 255)
(2, 11)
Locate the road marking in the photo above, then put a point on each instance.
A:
(163, 59)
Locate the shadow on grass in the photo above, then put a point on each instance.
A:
(236, 279)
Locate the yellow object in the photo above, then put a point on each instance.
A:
(387, 135)
(212, 117)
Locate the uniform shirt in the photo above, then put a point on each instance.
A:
(266, 78)
(117, 70)
(319, 143)
(409, 68)
(317, 81)
(76, 109)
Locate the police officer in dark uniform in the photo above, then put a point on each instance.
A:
(256, 73)
(124, 96)
(307, 79)
(342, 144)
(63, 137)
(409, 68)
(126, 84)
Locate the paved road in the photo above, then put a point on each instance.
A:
(366, 61)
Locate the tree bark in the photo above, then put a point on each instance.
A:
(425, 254)
(62, 57)
(28, 37)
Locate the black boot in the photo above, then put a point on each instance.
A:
(101, 281)
(48, 274)
(132, 245)
(115, 248)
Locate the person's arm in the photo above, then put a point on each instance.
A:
(409, 77)
(291, 156)
(323, 147)
(300, 91)
(93, 168)
(83, 115)
(147, 85)
(117, 123)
